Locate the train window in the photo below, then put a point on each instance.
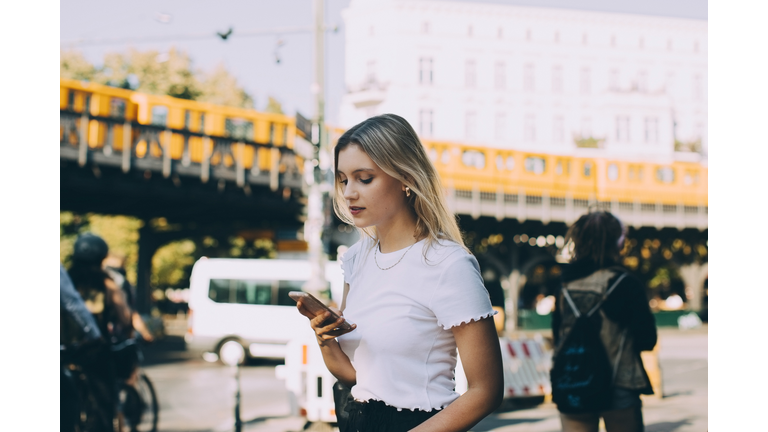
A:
(71, 100)
(187, 119)
(587, 169)
(535, 165)
(563, 167)
(87, 104)
(502, 164)
(201, 126)
(432, 155)
(691, 177)
(238, 129)
(159, 115)
(665, 174)
(473, 158)
(117, 107)
(613, 172)
(445, 157)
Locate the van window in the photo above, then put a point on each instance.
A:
(254, 292)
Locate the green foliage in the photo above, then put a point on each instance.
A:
(221, 88)
(273, 106)
(120, 232)
(172, 264)
(688, 146)
(588, 142)
(158, 73)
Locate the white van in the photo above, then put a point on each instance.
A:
(240, 308)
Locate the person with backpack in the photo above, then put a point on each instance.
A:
(601, 323)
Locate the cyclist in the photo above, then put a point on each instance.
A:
(107, 303)
(73, 315)
(114, 265)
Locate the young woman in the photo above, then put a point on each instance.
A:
(625, 320)
(415, 293)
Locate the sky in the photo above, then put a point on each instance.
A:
(252, 59)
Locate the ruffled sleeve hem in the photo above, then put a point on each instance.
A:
(416, 408)
(448, 326)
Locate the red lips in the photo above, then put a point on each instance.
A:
(356, 210)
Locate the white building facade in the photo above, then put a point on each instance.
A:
(537, 79)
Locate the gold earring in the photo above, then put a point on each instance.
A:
(407, 191)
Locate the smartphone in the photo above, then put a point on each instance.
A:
(317, 307)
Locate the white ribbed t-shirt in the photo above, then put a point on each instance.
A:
(403, 349)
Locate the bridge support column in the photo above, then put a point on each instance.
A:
(148, 244)
(512, 289)
(693, 276)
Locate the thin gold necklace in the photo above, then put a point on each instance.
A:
(398, 261)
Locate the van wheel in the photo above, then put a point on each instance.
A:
(231, 352)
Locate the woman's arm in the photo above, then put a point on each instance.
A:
(481, 356)
(335, 360)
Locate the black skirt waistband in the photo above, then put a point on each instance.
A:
(377, 416)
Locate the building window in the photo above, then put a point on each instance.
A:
(585, 81)
(557, 79)
(425, 70)
(586, 127)
(529, 128)
(501, 126)
(528, 82)
(584, 39)
(696, 46)
(425, 122)
(528, 35)
(651, 130)
(613, 80)
(470, 74)
(500, 76)
(622, 128)
(500, 33)
(670, 84)
(613, 40)
(642, 81)
(557, 37)
(370, 71)
(469, 31)
(558, 129)
(641, 44)
(425, 27)
(669, 44)
(370, 31)
(697, 86)
(470, 129)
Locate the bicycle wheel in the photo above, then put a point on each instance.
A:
(139, 406)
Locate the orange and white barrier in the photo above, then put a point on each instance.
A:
(526, 364)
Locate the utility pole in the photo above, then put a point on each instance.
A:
(317, 202)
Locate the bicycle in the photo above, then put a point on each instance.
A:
(136, 407)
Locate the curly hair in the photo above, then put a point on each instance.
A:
(597, 237)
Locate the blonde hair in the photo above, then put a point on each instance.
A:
(393, 145)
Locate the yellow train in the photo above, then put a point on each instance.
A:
(462, 167)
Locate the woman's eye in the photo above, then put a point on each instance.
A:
(344, 182)
(366, 181)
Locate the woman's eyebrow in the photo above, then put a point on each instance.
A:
(362, 169)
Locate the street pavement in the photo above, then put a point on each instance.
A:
(196, 396)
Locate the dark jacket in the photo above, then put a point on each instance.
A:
(626, 308)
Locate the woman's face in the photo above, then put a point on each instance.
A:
(373, 197)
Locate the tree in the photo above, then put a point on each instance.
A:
(273, 106)
(221, 88)
(158, 73)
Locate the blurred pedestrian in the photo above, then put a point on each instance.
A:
(415, 293)
(625, 322)
(114, 265)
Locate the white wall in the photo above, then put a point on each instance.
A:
(386, 39)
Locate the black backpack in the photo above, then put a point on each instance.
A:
(581, 375)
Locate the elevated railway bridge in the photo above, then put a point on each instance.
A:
(211, 168)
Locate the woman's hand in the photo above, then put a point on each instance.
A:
(324, 326)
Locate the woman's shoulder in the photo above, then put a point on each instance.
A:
(445, 251)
